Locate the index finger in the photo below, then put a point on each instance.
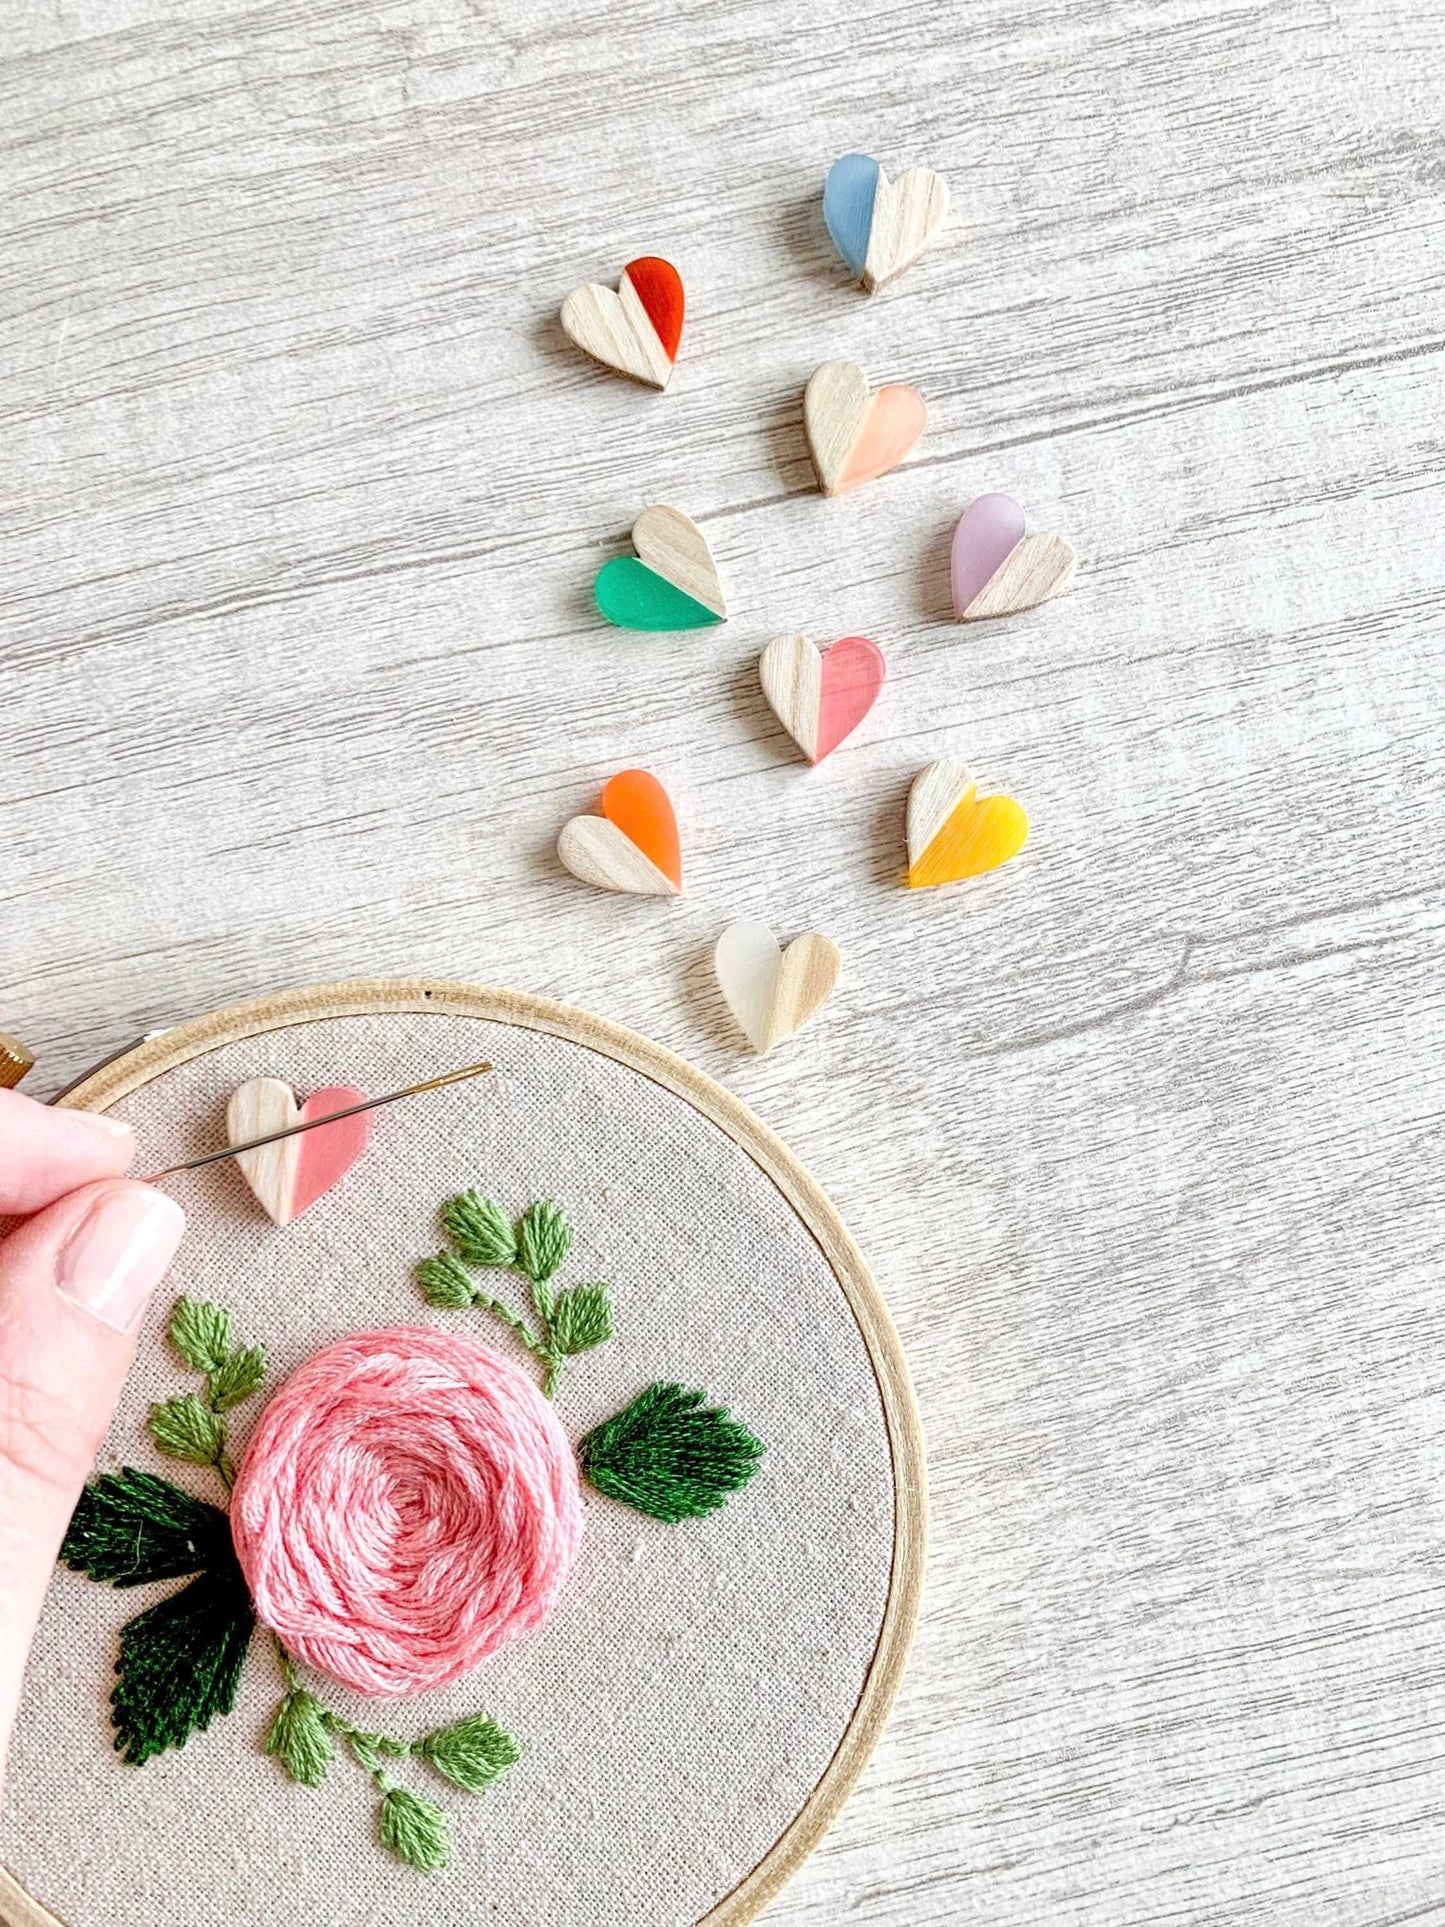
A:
(45, 1153)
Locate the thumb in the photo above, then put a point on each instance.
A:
(74, 1281)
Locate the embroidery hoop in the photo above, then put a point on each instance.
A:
(175, 1048)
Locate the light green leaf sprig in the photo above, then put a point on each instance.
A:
(537, 1245)
(192, 1425)
(472, 1753)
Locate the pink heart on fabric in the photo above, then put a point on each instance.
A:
(289, 1175)
(328, 1152)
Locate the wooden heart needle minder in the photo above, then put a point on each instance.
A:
(633, 846)
(880, 227)
(854, 434)
(995, 569)
(770, 991)
(638, 329)
(821, 696)
(672, 581)
(953, 832)
(323, 1124)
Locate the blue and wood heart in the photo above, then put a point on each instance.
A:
(880, 227)
(672, 582)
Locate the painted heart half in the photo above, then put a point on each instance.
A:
(770, 991)
(637, 329)
(821, 697)
(854, 435)
(953, 832)
(673, 582)
(289, 1177)
(880, 227)
(996, 569)
(633, 846)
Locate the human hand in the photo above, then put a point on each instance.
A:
(74, 1281)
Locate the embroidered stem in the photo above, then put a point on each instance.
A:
(192, 1426)
(472, 1753)
(570, 1321)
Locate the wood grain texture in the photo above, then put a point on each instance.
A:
(303, 493)
(907, 214)
(671, 544)
(1040, 566)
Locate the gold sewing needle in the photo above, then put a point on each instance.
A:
(315, 1123)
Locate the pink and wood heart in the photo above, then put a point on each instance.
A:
(821, 697)
(288, 1177)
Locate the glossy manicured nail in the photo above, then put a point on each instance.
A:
(116, 1256)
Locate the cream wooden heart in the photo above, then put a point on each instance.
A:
(770, 991)
(907, 213)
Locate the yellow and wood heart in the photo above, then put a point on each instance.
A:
(953, 832)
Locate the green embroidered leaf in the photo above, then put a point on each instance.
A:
(201, 1333)
(237, 1376)
(480, 1231)
(184, 1428)
(670, 1455)
(130, 1528)
(580, 1319)
(179, 1663)
(473, 1754)
(299, 1738)
(445, 1284)
(415, 1829)
(544, 1238)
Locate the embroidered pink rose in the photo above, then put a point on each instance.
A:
(407, 1504)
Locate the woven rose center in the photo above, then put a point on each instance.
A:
(407, 1504)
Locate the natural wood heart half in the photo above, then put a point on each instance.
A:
(821, 698)
(673, 582)
(954, 832)
(996, 569)
(881, 227)
(773, 992)
(289, 1177)
(636, 330)
(855, 436)
(633, 846)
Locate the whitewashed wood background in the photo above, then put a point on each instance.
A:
(302, 492)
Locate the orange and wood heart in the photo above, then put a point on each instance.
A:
(953, 832)
(855, 435)
(633, 845)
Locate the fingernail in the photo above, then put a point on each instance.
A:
(111, 1126)
(116, 1256)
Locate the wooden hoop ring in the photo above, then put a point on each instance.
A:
(167, 1052)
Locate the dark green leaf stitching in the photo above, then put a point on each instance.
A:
(180, 1662)
(131, 1528)
(670, 1455)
